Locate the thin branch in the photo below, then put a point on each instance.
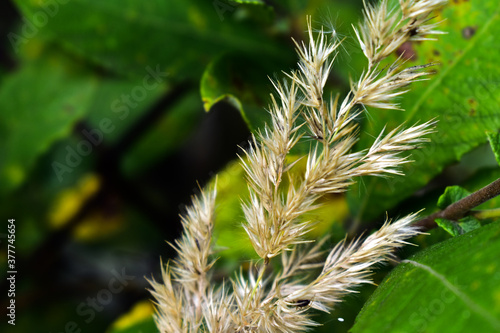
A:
(462, 207)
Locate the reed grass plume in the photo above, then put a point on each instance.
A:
(264, 299)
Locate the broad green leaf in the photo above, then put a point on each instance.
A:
(494, 139)
(461, 96)
(39, 104)
(453, 286)
(126, 36)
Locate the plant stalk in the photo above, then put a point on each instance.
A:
(462, 207)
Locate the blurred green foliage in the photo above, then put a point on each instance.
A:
(103, 135)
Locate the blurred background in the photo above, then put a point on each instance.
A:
(113, 113)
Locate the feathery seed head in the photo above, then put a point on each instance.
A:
(262, 300)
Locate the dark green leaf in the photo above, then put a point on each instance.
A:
(126, 36)
(241, 82)
(453, 286)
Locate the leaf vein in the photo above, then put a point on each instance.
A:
(437, 81)
(465, 299)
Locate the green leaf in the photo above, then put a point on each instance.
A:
(451, 195)
(461, 96)
(125, 36)
(453, 286)
(40, 104)
(469, 223)
(465, 225)
(240, 81)
(494, 139)
(451, 227)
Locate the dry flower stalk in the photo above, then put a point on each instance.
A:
(264, 301)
